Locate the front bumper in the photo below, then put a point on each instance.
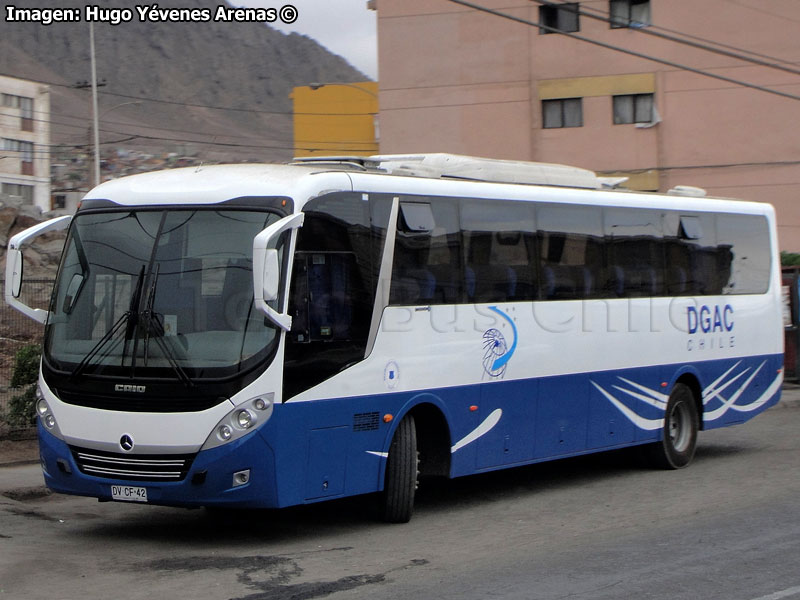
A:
(209, 481)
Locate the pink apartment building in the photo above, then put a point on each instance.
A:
(455, 79)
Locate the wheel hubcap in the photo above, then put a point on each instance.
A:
(679, 427)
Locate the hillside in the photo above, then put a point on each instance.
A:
(160, 80)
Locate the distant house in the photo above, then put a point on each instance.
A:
(25, 141)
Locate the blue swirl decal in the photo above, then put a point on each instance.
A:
(497, 353)
(495, 347)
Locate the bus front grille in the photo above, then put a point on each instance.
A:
(133, 467)
(139, 402)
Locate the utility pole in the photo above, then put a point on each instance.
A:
(94, 109)
(94, 138)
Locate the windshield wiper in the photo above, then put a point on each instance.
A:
(129, 318)
(147, 314)
(151, 321)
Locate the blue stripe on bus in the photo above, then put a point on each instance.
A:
(322, 454)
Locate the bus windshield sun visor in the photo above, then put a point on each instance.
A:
(417, 217)
(691, 229)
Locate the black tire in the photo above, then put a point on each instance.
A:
(400, 483)
(681, 423)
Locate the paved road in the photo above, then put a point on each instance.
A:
(596, 527)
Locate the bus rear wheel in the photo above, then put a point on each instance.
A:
(679, 440)
(400, 483)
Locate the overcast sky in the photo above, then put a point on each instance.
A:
(345, 27)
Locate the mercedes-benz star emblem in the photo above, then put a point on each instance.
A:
(126, 443)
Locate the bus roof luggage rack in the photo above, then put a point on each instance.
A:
(457, 166)
(361, 163)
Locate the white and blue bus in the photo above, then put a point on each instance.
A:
(273, 335)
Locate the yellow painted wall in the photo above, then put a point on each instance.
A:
(585, 87)
(336, 119)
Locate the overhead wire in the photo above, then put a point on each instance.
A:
(606, 18)
(656, 26)
(232, 109)
(280, 144)
(83, 127)
(614, 48)
(351, 145)
(762, 9)
(683, 34)
(209, 106)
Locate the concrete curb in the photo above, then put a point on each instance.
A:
(19, 463)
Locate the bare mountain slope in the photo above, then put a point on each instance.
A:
(163, 81)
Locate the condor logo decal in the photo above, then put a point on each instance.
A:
(497, 352)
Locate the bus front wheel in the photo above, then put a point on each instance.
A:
(400, 483)
(681, 422)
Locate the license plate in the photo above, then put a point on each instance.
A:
(129, 493)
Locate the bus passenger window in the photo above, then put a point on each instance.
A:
(691, 255)
(634, 252)
(571, 251)
(743, 254)
(427, 254)
(499, 251)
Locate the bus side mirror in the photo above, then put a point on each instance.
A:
(14, 263)
(267, 270)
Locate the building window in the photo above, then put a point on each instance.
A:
(25, 106)
(633, 108)
(25, 152)
(23, 191)
(563, 17)
(564, 112)
(629, 13)
(25, 149)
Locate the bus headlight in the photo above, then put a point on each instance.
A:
(244, 418)
(240, 421)
(45, 413)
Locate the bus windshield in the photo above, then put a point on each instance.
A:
(159, 293)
